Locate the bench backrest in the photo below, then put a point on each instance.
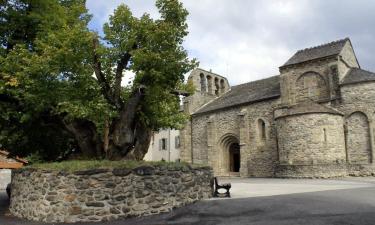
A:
(216, 184)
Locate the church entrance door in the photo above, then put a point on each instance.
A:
(234, 157)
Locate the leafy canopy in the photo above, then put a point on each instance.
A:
(48, 58)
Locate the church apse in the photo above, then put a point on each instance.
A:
(296, 124)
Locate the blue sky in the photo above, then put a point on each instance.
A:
(246, 40)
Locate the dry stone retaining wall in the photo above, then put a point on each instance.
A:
(105, 194)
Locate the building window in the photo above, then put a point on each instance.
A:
(222, 86)
(262, 129)
(217, 87)
(203, 82)
(177, 143)
(209, 84)
(311, 86)
(163, 144)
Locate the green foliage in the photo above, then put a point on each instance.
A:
(32, 65)
(46, 71)
(158, 59)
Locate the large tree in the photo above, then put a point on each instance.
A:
(58, 75)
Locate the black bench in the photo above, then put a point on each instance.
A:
(221, 186)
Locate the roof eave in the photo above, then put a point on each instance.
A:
(307, 61)
(357, 82)
(311, 112)
(236, 105)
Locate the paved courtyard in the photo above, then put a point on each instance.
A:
(348, 201)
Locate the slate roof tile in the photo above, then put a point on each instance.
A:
(321, 51)
(356, 75)
(245, 93)
(307, 107)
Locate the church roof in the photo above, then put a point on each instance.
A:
(245, 93)
(321, 51)
(356, 75)
(306, 107)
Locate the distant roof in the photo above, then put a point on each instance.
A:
(245, 93)
(7, 154)
(14, 163)
(307, 107)
(321, 51)
(356, 75)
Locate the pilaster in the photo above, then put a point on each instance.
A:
(243, 135)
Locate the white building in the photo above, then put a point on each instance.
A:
(6, 164)
(165, 145)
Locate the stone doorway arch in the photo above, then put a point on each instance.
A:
(230, 162)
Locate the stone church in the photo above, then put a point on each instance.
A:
(315, 119)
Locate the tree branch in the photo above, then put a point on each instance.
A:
(105, 87)
(121, 65)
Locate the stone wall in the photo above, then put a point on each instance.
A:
(336, 141)
(193, 102)
(358, 139)
(212, 134)
(289, 77)
(358, 104)
(347, 59)
(311, 86)
(309, 139)
(103, 194)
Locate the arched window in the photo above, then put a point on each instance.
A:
(262, 130)
(209, 84)
(222, 86)
(203, 83)
(312, 86)
(217, 87)
(358, 139)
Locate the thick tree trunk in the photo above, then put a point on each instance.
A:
(127, 137)
(122, 133)
(87, 137)
(143, 136)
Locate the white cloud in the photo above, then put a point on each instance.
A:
(248, 40)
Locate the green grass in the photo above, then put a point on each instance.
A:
(78, 165)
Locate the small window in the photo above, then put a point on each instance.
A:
(222, 86)
(163, 144)
(203, 83)
(325, 135)
(217, 87)
(262, 129)
(209, 84)
(177, 143)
